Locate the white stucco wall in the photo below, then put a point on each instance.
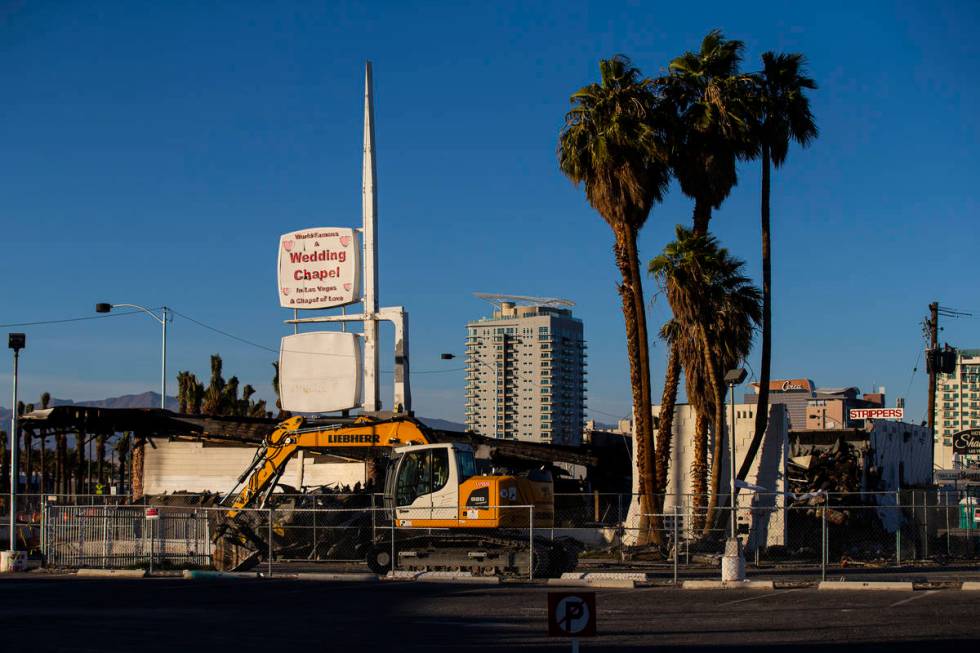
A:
(206, 467)
(765, 519)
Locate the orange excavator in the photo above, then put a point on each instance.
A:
(440, 512)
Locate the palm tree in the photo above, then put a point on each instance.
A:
(122, 450)
(214, 395)
(715, 307)
(708, 100)
(782, 114)
(611, 143)
(704, 96)
(61, 459)
(100, 441)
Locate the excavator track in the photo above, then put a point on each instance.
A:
(482, 554)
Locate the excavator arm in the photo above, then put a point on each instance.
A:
(291, 436)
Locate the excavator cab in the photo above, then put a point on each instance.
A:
(423, 482)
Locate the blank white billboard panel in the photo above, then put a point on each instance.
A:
(320, 372)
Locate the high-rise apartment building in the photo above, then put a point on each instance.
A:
(957, 404)
(525, 371)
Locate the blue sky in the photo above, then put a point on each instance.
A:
(153, 153)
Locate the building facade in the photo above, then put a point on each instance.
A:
(810, 407)
(957, 404)
(525, 374)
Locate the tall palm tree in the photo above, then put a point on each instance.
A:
(715, 307)
(612, 144)
(782, 114)
(704, 96)
(708, 100)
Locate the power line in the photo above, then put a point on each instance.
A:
(71, 319)
(290, 351)
(225, 333)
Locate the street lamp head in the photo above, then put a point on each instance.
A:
(103, 307)
(734, 377)
(16, 341)
(447, 357)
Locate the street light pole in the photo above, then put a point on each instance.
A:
(15, 341)
(733, 562)
(162, 319)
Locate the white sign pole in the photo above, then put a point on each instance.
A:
(369, 211)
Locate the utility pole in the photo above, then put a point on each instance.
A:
(933, 326)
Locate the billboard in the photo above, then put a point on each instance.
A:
(319, 268)
(877, 413)
(320, 371)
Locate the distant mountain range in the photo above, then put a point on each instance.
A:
(152, 400)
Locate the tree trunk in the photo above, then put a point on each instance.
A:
(136, 475)
(61, 449)
(699, 469)
(702, 216)
(100, 458)
(80, 464)
(718, 427)
(666, 427)
(646, 387)
(625, 252)
(762, 406)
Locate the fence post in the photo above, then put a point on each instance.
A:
(270, 542)
(823, 541)
(152, 524)
(949, 547)
(898, 530)
(925, 523)
(677, 541)
(530, 567)
(44, 528)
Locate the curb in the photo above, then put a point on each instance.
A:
(728, 585)
(111, 573)
(602, 583)
(442, 577)
(355, 577)
(209, 575)
(900, 586)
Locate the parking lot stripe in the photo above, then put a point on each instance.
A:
(913, 598)
(761, 596)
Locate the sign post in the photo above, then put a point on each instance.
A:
(571, 614)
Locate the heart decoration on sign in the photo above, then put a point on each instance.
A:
(287, 245)
(347, 287)
(345, 240)
(285, 291)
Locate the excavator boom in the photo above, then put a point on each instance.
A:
(290, 437)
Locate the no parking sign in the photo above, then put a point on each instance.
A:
(571, 614)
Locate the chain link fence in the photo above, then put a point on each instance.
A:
(818, 534)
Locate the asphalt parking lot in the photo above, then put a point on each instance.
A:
(52, 613)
